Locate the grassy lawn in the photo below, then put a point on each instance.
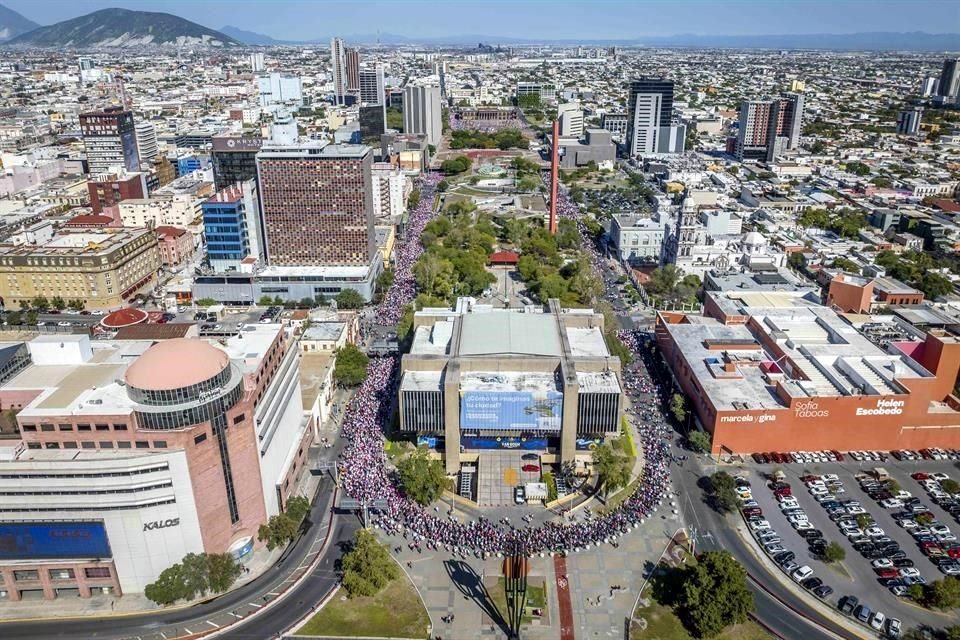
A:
(662, 624)
(394, 612)
(536, 598)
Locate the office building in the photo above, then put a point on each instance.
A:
(650, 125)
(373, 123)
(422, 111)
(596, 146)
(105, 269)
(147, 148)
(280, 89)
(370, 86)
(256, 62)
(338, 66)
(134, 453)
(769, 371)
(175, 245)
(317, 204)
(768, 128)
(351, 58)
(571, 120)
(949, 87)
(479, 378)
(391, 188)
(109, 189)
(231, 226)
(544, 92)
(929, 86)
(638, 238)
(110, 139)
(908, 122)
(616, 124)
(234, 159)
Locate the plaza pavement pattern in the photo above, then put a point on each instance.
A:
(454, 586)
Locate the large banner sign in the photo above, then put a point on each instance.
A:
(525, 410)
(41, 540)
(503, 442)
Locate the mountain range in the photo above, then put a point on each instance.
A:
(870, 41)
(13, 24)
(122, 28)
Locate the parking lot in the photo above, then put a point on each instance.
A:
(855, 575)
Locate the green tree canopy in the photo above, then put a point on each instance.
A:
(612, 468)
(455, 165)
(422, 477)
(367, 566)
(678, 407)
(700, 441)
(723, 496)
(715, 594)
(350, 368)
(834, 553)
(349, 299)
(195, 575)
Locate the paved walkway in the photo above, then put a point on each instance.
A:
(455, 586)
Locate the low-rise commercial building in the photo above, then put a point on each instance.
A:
(771, 371)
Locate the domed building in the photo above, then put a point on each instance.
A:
(178, 446)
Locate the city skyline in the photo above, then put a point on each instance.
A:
(318, 20)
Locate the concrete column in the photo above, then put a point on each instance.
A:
(568, 427)
(451, 417)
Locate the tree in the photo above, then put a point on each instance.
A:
(58, 303)
(613, 469)
(297, 508)
(76, 304)
(699, 441)
(934, 285)
(384, 282)
(617, 348)
(350, 368)
(278, 531)
(206, 302)
(40, 303)
(845, 264)
(306, 303)
(714, 594)
(349, 299)
(864, 520)
(722, 488)
(277, 301)
(678, 407)
(834, 553)
(944, 593)
(195, 575)
(31, 318)
(924, 519)
(168, 587)
(422, 477)
(367, 566)
(265, 301)
(950, 486)
(442, 186)
(858, 168)
(222, 571)
(414, 199)
(456, 165)
(14, 319)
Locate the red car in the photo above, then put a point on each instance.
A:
(533, 468)
(888, 572)
(786, 492)
(838, 455)
(953, 553)
(919, 476)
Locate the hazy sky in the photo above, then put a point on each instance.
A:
(548, 19)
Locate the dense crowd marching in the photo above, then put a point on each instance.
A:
(364, 464)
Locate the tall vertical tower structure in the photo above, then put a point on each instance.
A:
(949, 87)
(338, 65)
(351, 57)
(554, 176)
(422, 111)
(650, 126)
(110, 139)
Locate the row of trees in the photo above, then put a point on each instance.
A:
(196, 575)
(668, 283)
(346, 299)
(455, 165)
(916, 268)
(282, 528)
(455, 257)
(41, 304)
(472, 139)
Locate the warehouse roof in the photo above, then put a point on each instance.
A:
(528, 334)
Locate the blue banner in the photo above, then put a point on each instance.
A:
(41, 540)
(503, 442)
(427, 441)
(511, 410)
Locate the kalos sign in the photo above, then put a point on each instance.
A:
(161, 524)
(883, 408)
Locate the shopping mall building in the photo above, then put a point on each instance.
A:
(532, 378)
(775, 371)
(134, 453)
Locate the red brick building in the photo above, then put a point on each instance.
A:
(109, 189)
(175, 244)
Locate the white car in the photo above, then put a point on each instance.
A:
(946, 537)
(877, 620)
(891, 503)
(909, 572)
(64, 323)
(939, 528)
(874, 532)
(825, 497)
(758, 525)
(803, 526)
(831, 477)
(854, 532)
(802, 573)
(855, 510)
(743, 492)
(793, 504)
(940, 477)
(882, 563)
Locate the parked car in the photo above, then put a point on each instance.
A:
(530, 456)
(531, 468)
(847, 604)
(823, 591)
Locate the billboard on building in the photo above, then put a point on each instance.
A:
(503, 442)
(526, 410)
(43, 540)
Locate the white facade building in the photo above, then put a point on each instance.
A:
(422, 111)
(277, 88)
(391, 188)
(146, 141)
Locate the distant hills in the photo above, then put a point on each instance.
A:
(13, 24)
(873, 41)
(123, 28)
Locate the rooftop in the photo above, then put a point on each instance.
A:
(507, 333)
(175, 364)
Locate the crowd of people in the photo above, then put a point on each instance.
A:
(364, 468)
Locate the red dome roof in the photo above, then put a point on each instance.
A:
(178, 363)
(124, 318)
